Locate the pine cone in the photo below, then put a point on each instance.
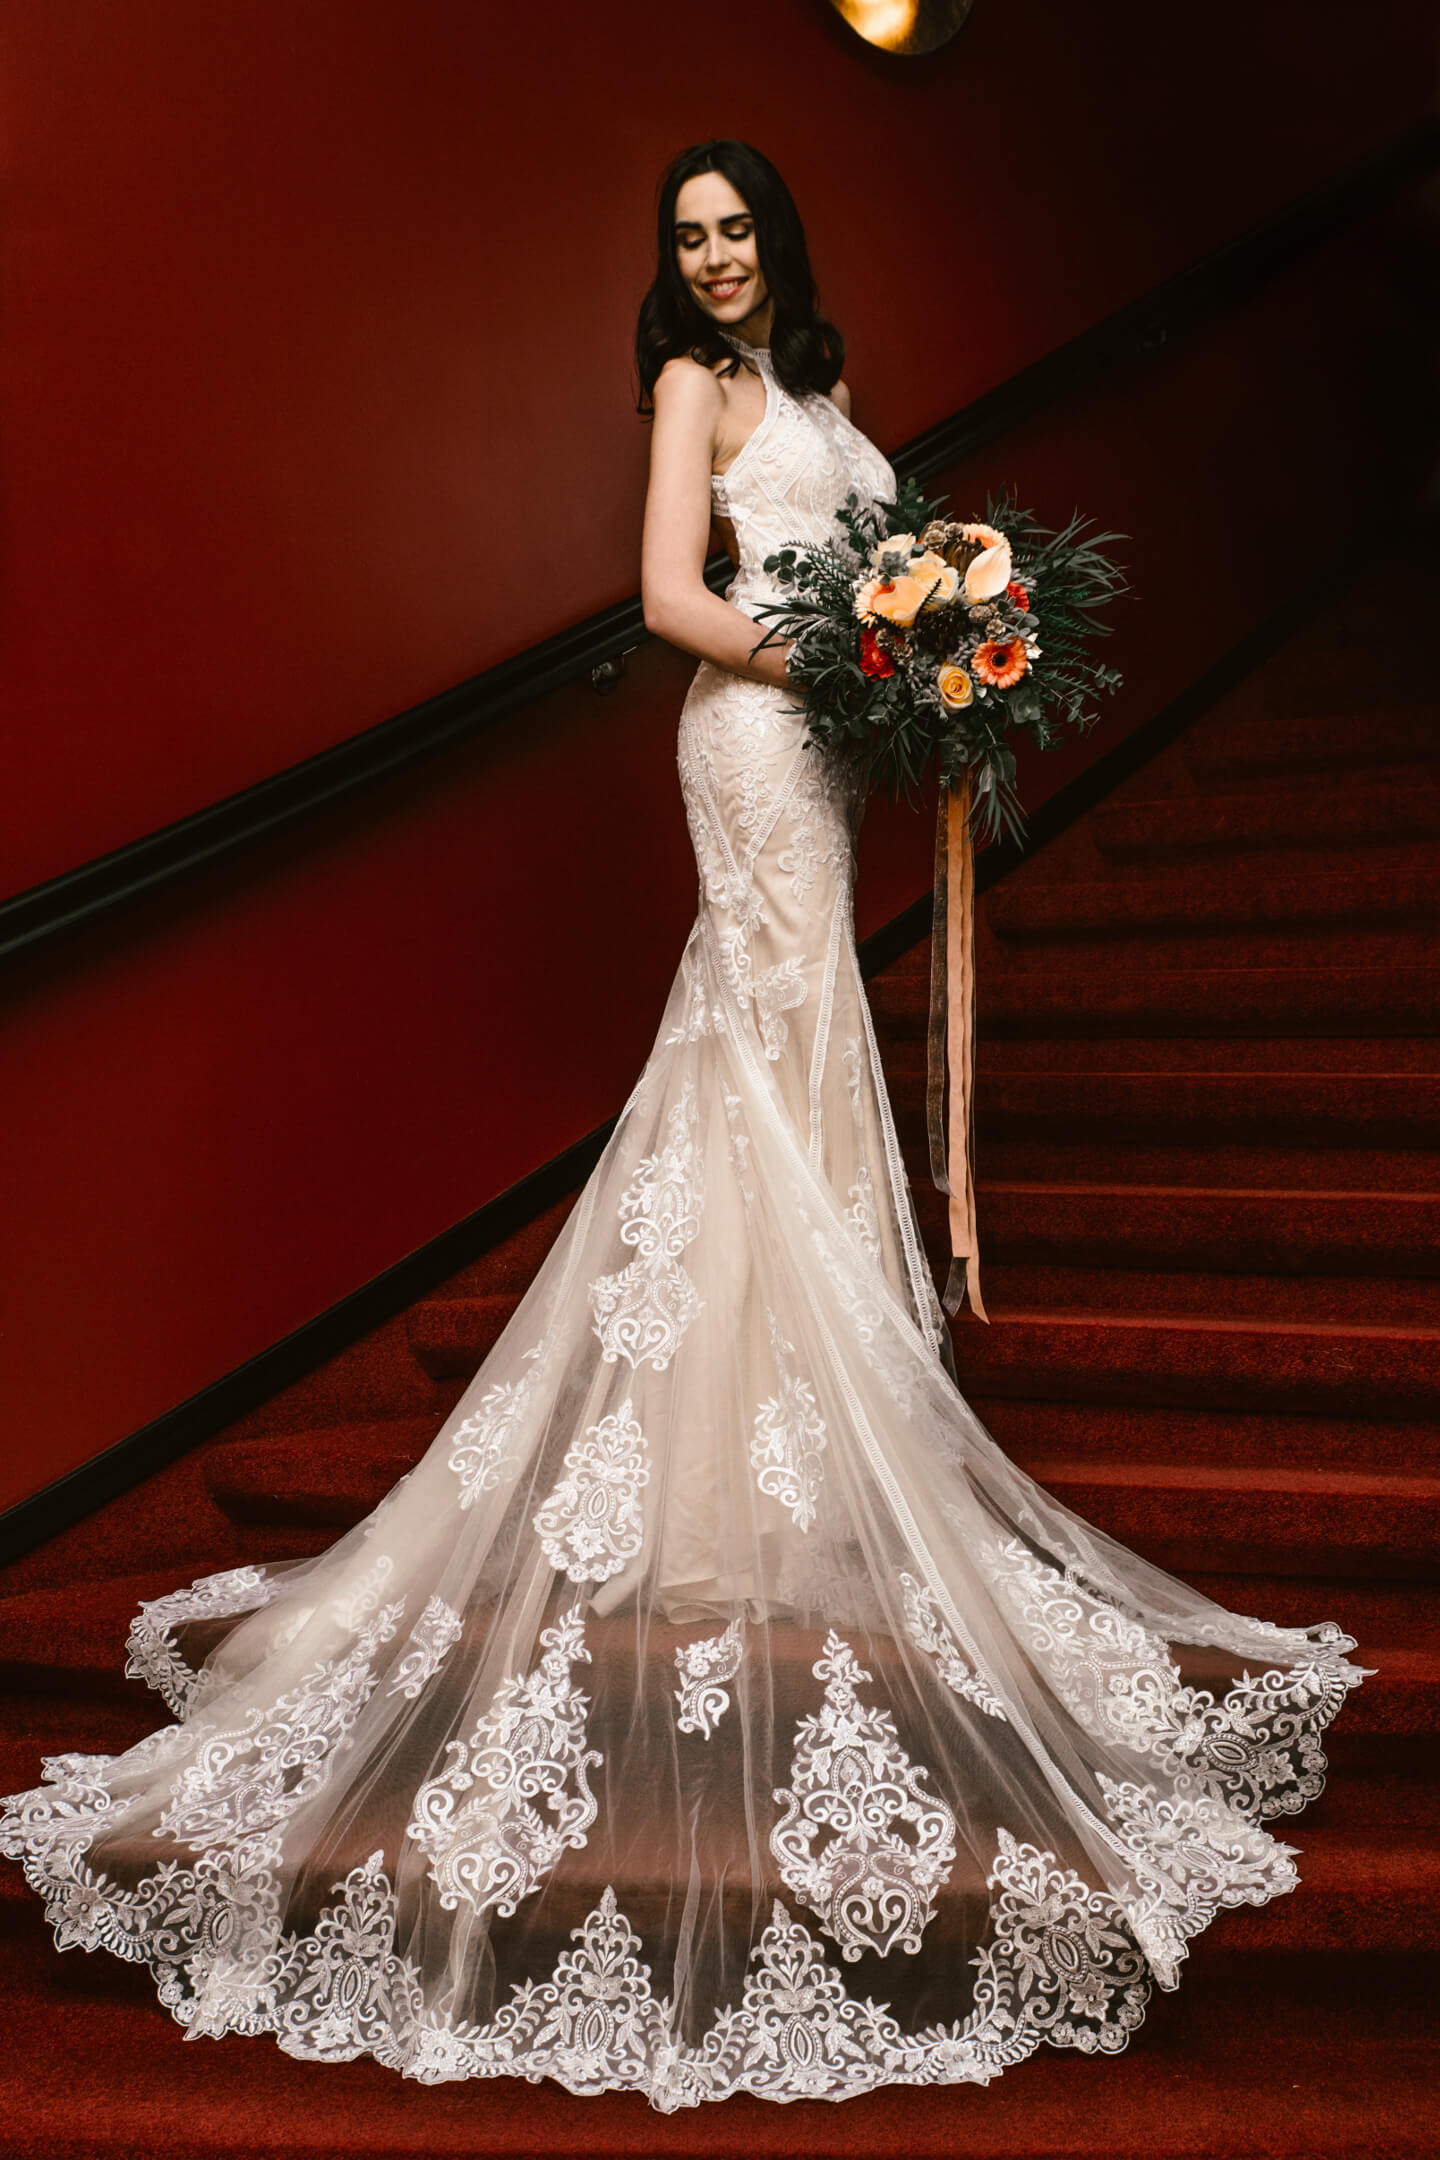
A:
(940, 629)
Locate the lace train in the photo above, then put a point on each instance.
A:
(714, 1708)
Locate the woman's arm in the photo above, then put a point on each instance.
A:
(679, 606)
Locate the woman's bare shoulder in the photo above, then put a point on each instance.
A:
(840, 396)
(688, 385)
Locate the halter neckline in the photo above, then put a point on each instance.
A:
(746, 351)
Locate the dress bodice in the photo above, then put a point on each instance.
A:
(791, 476)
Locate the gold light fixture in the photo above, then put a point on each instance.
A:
(904, 26)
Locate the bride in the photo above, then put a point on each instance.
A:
(714, 1708)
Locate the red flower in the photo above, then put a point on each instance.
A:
(1019, 595)
(874, 660)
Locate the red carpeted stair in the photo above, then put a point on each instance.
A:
(1210, 1190)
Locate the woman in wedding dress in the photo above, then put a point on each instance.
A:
(714, 1708)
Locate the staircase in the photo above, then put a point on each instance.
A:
(1209, 1163)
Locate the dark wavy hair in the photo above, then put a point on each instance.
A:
(808, 352)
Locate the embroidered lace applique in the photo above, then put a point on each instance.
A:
(1191, 1855)
(850, 1058)
(773, 993)
(437, 1630)
(592, 1522)
(861, 1213)
(345, 1991)
(801, 859)
(597, 2020)
(871, 1887)
(705, 1668)
(352, 1607)
(642, 1312)
(930, 1634)
(797, 2033)
(701, 1018)
(493, 1849)
(1257, 1746)
(1062, 1963)
(151, 1652)
(482, 1451)
(789, 1438)
(739, 1143)
(245, 1781)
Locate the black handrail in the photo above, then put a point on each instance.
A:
(1232, 274)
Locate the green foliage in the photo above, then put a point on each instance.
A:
(897, 721)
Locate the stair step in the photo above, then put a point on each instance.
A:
(72, 1640)
(1213, 1001)
(332, 1475)
(1144, 950)
(1289, 1521)
(1323, 1108)
(1064, 1057)
(1188, 1227)
(1310, 1300)
(451, 1335)
(1215, 1166)
(1208, 1363)
(1384, 885)
(1290, 743)
(1079, 1432)
(1343, 813)
(1053, 1001)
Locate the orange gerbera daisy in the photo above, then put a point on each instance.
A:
(1001, 662)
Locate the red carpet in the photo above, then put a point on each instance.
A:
(1210, 1115)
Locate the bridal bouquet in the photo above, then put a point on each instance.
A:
(918, 638)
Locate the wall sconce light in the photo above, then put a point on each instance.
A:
(904, 26)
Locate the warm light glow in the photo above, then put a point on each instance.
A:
(882, 22)
(904, 26)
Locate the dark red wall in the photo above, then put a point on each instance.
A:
(316, 400)
(318, 311)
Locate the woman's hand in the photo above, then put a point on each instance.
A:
(679, 606)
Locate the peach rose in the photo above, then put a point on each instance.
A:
(898, 544)
(955, 687)
(989, 574)
(894, 600)
(935, 574)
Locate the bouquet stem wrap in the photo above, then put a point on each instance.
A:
(950, 1062)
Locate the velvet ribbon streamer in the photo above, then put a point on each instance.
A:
(950, 1048)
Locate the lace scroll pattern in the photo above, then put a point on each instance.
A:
(706, 1669)
(871, 1887)
(1062, 1964)
(789, 1438)
(930, 1634)
(245, 1781)
(1191, 1855)
(151, 1652)
(642, 1312)
(482, 1446)
(1257, 1748)
(773, 992)
(435, 1633)
(487, 1842)
(592, 1522)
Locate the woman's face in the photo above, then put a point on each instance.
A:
(715, 248)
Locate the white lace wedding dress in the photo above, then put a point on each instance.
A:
(714, 1708)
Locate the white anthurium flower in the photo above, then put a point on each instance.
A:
(989, 574)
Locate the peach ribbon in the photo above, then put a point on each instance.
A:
(950, 1056)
